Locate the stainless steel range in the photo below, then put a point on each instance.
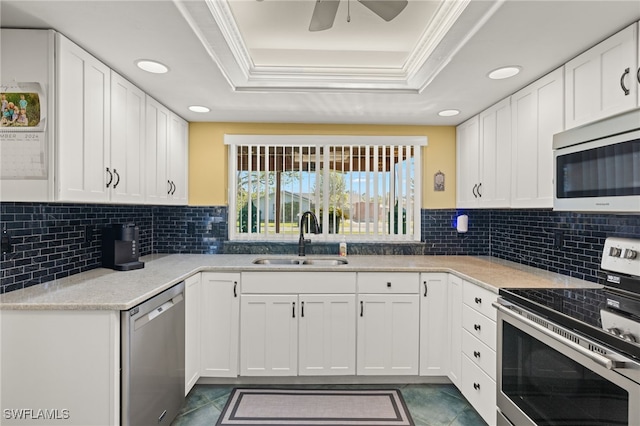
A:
(572, 356)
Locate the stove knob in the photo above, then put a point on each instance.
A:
(630, 254)
(615, 331)
(615, 251)
(628, 337)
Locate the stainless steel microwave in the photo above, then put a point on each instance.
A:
(597, 166)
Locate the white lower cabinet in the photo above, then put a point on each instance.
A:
(192, 299)
(434, 332)
(454, 317)
(388, 334)
(220, 316)
(269, 335)
(327, 335)
(479, 334)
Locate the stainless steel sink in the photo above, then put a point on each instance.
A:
(301, 261)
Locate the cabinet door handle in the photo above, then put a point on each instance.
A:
(476, 327)
(478, 300)
(624, 88)
(476, 354)
(474, 191)
(476, 386)
(115, 172)
(174, 188)
(294, 309)
(170, 186)
(479, 193)
(235, 289)
(361, 308)
(301, 309)
(110, 177)
(425, 288)
(638, 75)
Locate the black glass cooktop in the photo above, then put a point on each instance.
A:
(576, 309)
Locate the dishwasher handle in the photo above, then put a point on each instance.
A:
(160, 310)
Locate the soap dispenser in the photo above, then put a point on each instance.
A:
(343, 246)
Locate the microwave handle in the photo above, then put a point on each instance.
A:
(601, 360)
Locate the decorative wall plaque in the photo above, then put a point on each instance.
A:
(438, 181)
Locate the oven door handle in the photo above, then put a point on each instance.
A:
(601, 360)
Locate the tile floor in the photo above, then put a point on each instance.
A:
(430, 405)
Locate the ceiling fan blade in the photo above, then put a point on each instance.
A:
(386, 9)
(324, 13)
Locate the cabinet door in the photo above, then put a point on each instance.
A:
(178, 147)
(269, 335)
(193, 291)
(157, 186)
(220, 324)
(455, 329)
(388, 334)
(494, 185)
(468, 154)
(600, 82)
(83, 109)
(127, 140)
(434, 331)
(327, 335)
(537, 114)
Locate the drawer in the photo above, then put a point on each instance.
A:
(479, 389)
(479, 299)
(479, 353)
(298, 282)
(388, 282)
(479, 326)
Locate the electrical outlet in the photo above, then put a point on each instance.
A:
(7, 247)
(558, 240)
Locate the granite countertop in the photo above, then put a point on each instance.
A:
(105, 289)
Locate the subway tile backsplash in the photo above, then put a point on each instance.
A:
(52, 240)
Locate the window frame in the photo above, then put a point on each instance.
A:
(233, 141)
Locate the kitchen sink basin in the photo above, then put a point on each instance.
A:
(301, 261)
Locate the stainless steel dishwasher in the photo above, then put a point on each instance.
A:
(152, 380)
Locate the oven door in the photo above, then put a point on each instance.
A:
(545, 379)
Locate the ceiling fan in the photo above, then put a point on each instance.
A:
(324, 12)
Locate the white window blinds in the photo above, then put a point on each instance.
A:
(365, 188)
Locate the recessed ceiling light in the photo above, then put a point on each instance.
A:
(152, 66)
(504, 72)
(448, 113)
(199, 108)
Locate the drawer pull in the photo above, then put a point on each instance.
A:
(476, 354)
(478, 300)
(476, 327)
(389, 284)
(476, 386)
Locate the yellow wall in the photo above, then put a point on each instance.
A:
(208, 155)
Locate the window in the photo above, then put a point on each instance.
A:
(362, 187)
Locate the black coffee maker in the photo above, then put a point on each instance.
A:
(120, 243)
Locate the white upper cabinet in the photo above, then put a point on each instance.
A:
(127, 141)
(484, 158)
(603, 81)
(537, 114)
(83, 131)
(468, 166)
(100, 131)
(167, 148)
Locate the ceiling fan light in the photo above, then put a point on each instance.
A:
(154, 67)
(448, 112)
(504, 72)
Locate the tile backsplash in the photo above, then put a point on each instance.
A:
(52, 240)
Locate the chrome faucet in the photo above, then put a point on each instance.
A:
(314, 230)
